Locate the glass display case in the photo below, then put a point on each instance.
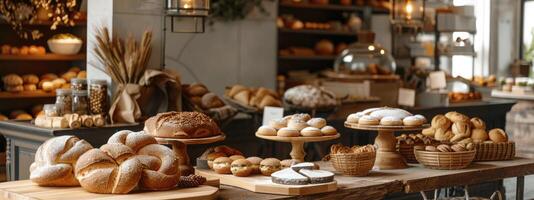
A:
(365, 58)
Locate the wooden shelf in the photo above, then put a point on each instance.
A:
(47, 57)
(49, 23)
(333, 7)
(27, 95)
(318, 32)
(310, 58)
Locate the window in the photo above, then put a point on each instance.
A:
(527, 33)
(465, 66)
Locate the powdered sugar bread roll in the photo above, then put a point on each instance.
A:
(413, 121)
(391, 121)
(266, 130)
(393, 112)
(278, 123)
(288, 132)
(353, 118)
(310, 132)
(297, 124)
(368, 120)
(317, 122)
(328, 130)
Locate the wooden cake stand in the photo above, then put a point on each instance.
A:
(387, 156)
(297, 143)
(179, 146)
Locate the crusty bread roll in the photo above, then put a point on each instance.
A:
(197, 89)
(211, 100)
(30, 79)
(112, 169)
(181, 125)
(55, 160)
(12, 80)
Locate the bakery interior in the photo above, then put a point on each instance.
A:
(266, 99)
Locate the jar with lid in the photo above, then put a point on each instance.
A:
(98, 93)
(50, 110)
(78, 84)
(79, 102)
(64, 101)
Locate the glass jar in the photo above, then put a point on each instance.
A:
(78, 84)
(64, 101)
(98, 93)
(79, 102)
(50, 110)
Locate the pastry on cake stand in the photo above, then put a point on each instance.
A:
(387, 156)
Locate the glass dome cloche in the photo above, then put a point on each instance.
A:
(365, 59)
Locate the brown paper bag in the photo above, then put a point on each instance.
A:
(125, 108)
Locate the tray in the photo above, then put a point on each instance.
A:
(28, 190)
(263, 184)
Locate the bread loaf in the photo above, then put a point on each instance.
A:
(181, 125)
(160, 164)
(113, 169)
(55, 160)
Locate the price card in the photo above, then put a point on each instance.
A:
(406, 97)
(272, 113)
(437, 80)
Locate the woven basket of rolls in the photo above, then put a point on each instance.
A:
(446, 157)
(407, 142)
(355, 161)
(494, 151)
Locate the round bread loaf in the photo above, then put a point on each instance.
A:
(55, 160)
(498, 135)
(317, 122)
(266, 130)
(181, 125)
(328, 130)
(441, 122)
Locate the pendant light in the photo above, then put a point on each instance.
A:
(187, 16)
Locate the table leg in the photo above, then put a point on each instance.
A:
(387, 156)
(181, 152)
(520, 187)
(297, 151)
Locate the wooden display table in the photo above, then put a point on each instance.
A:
(413, 179)
(23, 139)
(27, 190)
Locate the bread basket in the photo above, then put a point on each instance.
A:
(494, 151)
(353, 164)
(406, 150)
(445, 160)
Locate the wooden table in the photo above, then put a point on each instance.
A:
(413, 179)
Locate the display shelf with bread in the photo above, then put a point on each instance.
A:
(180, 129)
(45, 57)
(198, 98)
(298, 129)
(251, 100)
(332, 7)
(386, 121)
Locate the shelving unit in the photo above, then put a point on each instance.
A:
(36, 64)
(308, 12)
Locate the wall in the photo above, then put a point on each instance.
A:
(505, 38)
(227, 53)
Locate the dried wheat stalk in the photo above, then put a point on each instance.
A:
(125, 62)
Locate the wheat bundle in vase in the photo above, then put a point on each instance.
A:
(125, 61)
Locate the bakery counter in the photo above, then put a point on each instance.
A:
(23, 138)
(412, 180)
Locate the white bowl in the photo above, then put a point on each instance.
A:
(65, 46)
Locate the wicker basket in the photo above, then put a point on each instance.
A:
(353, 164)
(445, 160)
(406, 150)
(494, 151)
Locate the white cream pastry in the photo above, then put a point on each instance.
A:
(390, 121)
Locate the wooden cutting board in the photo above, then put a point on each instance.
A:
(18, 190)
(263, 184)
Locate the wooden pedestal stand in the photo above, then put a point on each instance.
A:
(387, 156)
(179, 146)
(297, 143)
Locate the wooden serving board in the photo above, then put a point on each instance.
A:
(263, 184)
(18, 190)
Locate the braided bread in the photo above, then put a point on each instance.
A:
(160, 164)
(113, 169)
(55, 160)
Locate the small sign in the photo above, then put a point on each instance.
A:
(437, 80)
(406, 97)
(272, 113)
